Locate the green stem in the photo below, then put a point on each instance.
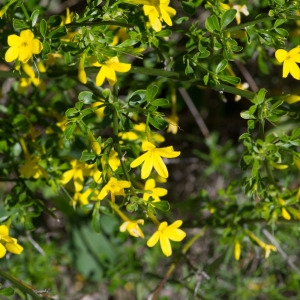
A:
(20, 285)
(25, 12)
(99, 23)
(118, 211)
(153, 218)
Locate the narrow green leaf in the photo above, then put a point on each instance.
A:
(34, 17)
(160, 102)
(79, 105)
(43, 27)
(230, 79)
(162, 205)
(20, 24)
(212, 23)
(85, 156)
(82, 126)
(58, 32)
(222, 65)
(158, 123)
(71, 112)
(151, 92)
(96, 224)
(69, 130)
(227, 17)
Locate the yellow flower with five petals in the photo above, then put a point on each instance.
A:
(108, 70)
(166, 233)
(115, 187)
(153, 158)
(289, 60)
(22, 47)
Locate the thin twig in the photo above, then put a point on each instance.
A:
(186, 97)
(271, 238)
(247, 76)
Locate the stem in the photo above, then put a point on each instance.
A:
(25, 12)
(173, 266)
(118, 211)
(153, 218)
(99, 23)
(20, 285)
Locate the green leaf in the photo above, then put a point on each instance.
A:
(87, 97)
(230, 79)
(158, 123)
(221, 66)
(227, 17)
(34, 17)
(164, 33)
(82, 126)
(151, 92)
(69, 130)
(87, 111)
(282, 31)
(279, 22)
(162, 205)
(57, 33)
(8, 291)
(212, 23)
(96, 220)
(246, 115)
(85, 156)
(46, 47)
(206, 79)
(43, 27)
(79, 105)
(260, 96)
(20, 24)
(71, 112)
(160, 102)
(138, 96)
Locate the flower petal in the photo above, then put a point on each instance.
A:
(153, 239)
(12, 54)
(2, 251)
(36, 46)
(168, 152)
(147, 167)
(14, 248)
(139, 160)
(159, 166)
(3, 230)
(101, 76)
(165, 245)
(281, 55)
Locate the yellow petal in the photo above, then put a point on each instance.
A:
(67, 176)
(26, 35)
(146, 146)
(3, 230)
(14, 40)
(147, 167)
(285, 214)
(100, 76)
(153, 239)
(121, 67)
(168, 152)
(281, 55)
(159, 166)
(14, 248)
(37, 46)
(11, 54)
(2, 251)
(165, 245)
(139, 160)
(290, 66)
(237, 250)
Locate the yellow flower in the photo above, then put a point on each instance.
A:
(113, 160)
(24, 83)
(108, 70)
(290, 60)
(237, 250)
(120, 35)
(133, 227)
(8, 243)
(81, 72)
(159, 11)
(22, 47)
(155, 192)
(100, 111)
(284, 212)
(83, 198)
(240, 9)
(78, 171)
(153, 158)
(115, 187)
(267, 247)
(31, 168)
(166, 233)
(173, 123)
